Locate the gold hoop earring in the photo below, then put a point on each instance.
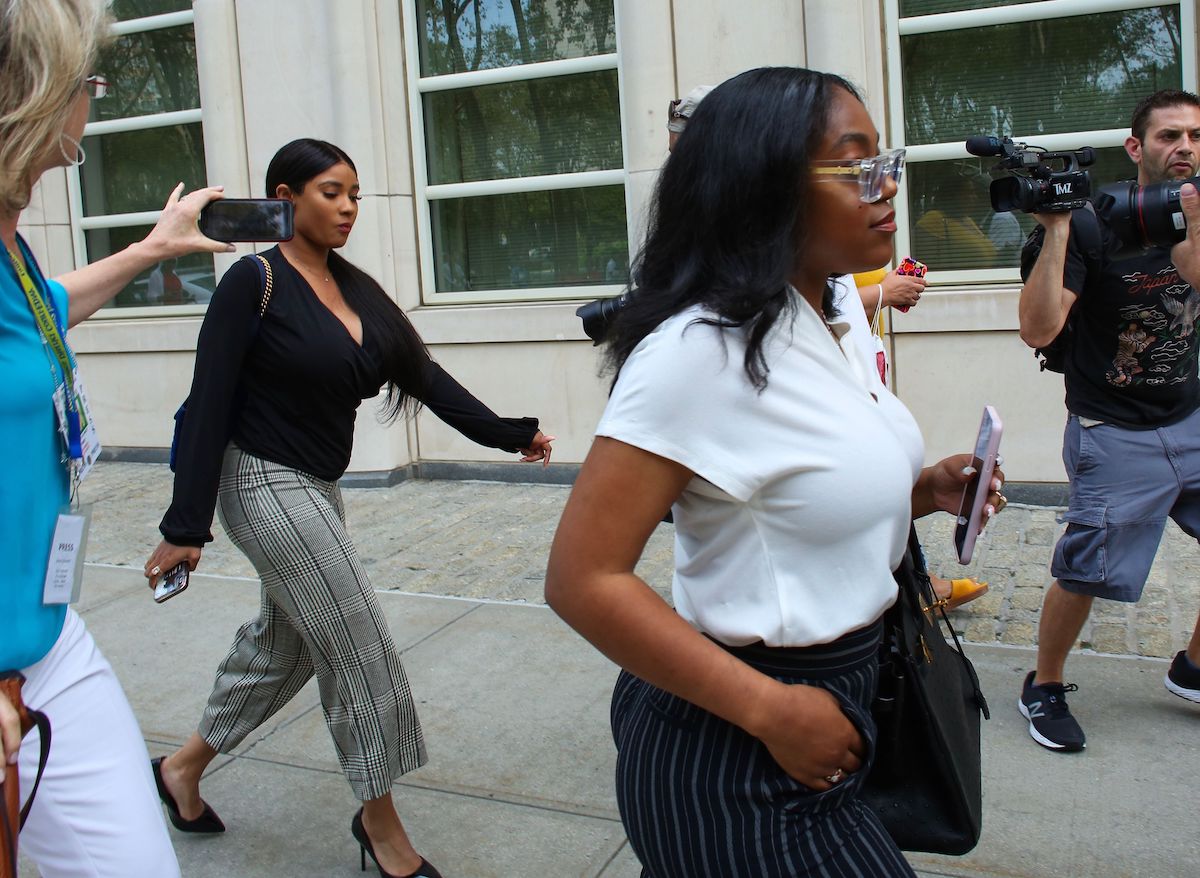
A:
(80, 154)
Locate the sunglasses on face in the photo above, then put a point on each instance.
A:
(870, 173)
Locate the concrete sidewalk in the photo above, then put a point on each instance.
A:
(515, 705)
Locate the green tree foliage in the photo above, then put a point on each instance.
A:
(1066, 74)
(554, 125)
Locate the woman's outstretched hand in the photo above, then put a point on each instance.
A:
(539, 449)
(176, 233)
(810, 736)
(166, 556)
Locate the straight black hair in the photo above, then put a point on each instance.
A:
(729, 211)
(405, 357)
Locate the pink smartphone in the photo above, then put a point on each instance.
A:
(910, 266)
(974, 498)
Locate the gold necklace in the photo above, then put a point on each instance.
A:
(305, 269)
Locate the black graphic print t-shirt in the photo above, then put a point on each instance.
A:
(1132, 358)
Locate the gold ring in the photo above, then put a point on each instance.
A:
(1001, 502)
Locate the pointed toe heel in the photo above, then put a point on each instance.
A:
(425, 870)
(207, 823)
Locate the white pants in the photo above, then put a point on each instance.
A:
(96, 814)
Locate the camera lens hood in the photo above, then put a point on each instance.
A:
(1144, 216)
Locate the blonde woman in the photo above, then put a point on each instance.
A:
(96, 812)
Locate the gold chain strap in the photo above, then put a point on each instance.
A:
(267, 289)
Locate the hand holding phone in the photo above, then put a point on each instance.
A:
(974, 498)
(911, 267)
(172, 583)
(248, 219)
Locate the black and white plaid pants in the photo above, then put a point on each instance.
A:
(319, 615)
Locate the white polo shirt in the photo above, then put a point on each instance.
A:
(801, 503)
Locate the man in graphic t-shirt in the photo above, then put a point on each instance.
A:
(1132, 442)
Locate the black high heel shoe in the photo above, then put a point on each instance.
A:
(365, 847)
(207, 822)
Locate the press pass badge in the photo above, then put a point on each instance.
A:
(89, 439)
(64, 571)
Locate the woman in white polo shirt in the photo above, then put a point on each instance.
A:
(742, 717)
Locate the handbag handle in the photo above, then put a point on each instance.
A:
(268, 284)
(877, 318)
(924, 604)
(10, 685)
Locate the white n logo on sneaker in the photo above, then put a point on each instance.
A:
(1035, 709)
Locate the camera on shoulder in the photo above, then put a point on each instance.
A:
(1039, 181)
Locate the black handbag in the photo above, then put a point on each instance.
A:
(264, 274)
(925, 783)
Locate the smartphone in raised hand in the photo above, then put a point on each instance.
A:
(248, 219)
(974, 498)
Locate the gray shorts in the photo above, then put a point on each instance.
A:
(1124, 485)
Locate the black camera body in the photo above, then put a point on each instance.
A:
(1144, 216)
(1041, 181)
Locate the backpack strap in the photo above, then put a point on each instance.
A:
(1085, 227)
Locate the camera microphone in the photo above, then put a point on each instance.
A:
(985, 145)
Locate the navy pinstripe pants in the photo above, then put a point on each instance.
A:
(700, 798)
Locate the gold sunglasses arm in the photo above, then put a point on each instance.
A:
(840, 172)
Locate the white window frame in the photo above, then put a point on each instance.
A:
(424, 193)
(82, 224)
(975, 18)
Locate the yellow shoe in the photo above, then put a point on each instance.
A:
(964, 591)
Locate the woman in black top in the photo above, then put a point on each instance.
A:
(268, 432)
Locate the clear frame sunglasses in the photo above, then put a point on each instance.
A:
(869, 173)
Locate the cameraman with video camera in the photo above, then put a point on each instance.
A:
(1132, 441)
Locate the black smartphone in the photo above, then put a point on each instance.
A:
(172, 583)
(248, 219)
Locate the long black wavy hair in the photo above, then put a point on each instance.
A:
(405, 357)
(729, 211)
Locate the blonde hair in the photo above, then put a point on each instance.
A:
(47, 48)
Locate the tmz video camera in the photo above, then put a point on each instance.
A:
(1039, 181)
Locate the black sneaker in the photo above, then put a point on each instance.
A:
(1183, 678)
(1050, 720)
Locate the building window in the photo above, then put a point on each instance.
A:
(517, 150)
(1061, 74)
(141, 140)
